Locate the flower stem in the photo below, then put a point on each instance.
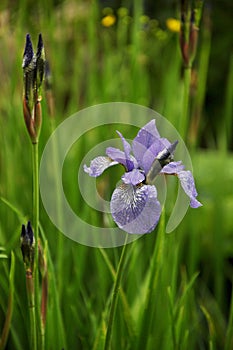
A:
(31, 303)
(58, 205)
(36, 233)
(185, 108)
(115, 293)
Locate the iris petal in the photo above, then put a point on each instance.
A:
(144, 139)
(127, 150)
(173, 168)
(133, 177)
(135, 209)
(98, 165)
(152, 152)
(188, 185)
(117, 155)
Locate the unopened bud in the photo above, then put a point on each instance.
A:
(189, 31)
(193, 36)
(40, 61)
(33, 69)
(28, 245)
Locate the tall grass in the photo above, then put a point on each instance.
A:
(176, 289)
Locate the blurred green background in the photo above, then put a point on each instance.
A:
(110, 51)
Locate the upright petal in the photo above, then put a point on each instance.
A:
(188, 185)
(144, 139)
(135, 209)
(152, 152)
(127, 150)
(98, 165)
(126, 145)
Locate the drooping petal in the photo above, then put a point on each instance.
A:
(133, 177)
(98, 165)
(135, 209)
(144, 139)
(188, 185)
(173, 168)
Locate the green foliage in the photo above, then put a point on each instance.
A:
(176, 288)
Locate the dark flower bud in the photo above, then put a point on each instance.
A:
(29, 73)
(40, 61)
(28, 52)
(33, 69)
(27, 245)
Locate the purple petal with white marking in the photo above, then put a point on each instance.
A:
(98, 165)
(135, 209)
(144, 139)
(173, 168)
(188, 185)
(133, 177)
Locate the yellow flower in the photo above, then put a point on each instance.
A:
(173, 25)
(108, 21)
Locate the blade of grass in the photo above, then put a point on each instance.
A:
(115, 293)
(9, 313)
(155, 266)
(172, 317)
(226, 127)
(203, 65)
(211, 327)
(126, 307)
(229, 333)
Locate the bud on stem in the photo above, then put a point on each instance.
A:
(33, 69)
(189, 31)
(28, 246)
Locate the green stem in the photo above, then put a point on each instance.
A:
(36, 228)
(60, 341)
(185, 110)
(31, 304)
(150, 302)
(115, 293)
(60, 249)
(203, 66)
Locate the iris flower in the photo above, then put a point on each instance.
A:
(134, 205)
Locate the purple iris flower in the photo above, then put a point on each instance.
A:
(134, 205)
